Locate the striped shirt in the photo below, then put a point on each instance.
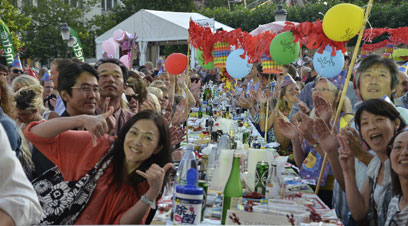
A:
(395, 216)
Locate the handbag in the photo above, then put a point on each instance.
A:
(63, 201)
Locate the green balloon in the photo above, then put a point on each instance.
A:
(200, 59)
(282, 48)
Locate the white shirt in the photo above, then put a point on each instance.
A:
(59, 106)
(17, 196)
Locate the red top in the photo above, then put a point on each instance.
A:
(73, 152)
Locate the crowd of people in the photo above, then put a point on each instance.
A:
(94, 143)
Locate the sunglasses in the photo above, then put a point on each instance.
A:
(18, 71)
(129, 97)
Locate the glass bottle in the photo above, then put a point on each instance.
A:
(233, 189)
(273, 184)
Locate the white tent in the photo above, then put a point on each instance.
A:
(155, 28)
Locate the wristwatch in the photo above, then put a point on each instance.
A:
(148, 202)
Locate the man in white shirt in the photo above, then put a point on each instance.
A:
(18, 201)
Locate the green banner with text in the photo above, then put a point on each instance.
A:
(7, 43)
(77, 47)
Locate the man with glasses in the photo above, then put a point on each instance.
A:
(113, 77)
(79, 90)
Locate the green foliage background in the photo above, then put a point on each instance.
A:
(39, 26)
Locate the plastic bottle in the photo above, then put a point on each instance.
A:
(187, 162)
(189, 199)
(233, 188)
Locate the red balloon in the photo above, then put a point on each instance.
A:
(176, 63)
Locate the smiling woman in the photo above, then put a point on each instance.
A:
(398, 153)
(377, 121)
(108, 182)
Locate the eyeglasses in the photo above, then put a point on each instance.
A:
(320, 90)
(18, 71)
(87, 89)
(130, 97)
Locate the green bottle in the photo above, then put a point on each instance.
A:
(200, 110)
(233, 189)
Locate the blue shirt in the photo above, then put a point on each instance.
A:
(12, 131)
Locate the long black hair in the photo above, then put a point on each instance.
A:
(161, 158)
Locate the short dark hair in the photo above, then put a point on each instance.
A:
(161, 158)
(396, 184)
(61, 63)
(378, 107)
(371, 60)
(117, 62)
(68, 77)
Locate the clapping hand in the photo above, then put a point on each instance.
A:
(323, 108)
(304, 127)
(287, 128)
(346, 158)
(176, 135)
(327, 139)
(302, 106)
(180, 114)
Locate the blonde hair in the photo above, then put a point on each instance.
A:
(346, 108)
(29, 98)
(155, 91)
(22, 81)
(153, 99)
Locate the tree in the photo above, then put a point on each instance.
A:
(43, 36)
(15, 21)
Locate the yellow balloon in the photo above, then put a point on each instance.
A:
(343, 21)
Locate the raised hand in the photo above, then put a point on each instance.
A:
(354, 141)
(97, 124)
(287, 129)
(176, 135)
(195, 88)
(305, 128)
(147, 105)
(346, 158)
(53, 102)
(302, 106)
(167, 116)
(323, 108)
(180, 114)
(328, 140)
(155, 176)
(181, 78)
(111, 121)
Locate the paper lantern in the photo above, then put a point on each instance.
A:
(221, 50)
(270, 66)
